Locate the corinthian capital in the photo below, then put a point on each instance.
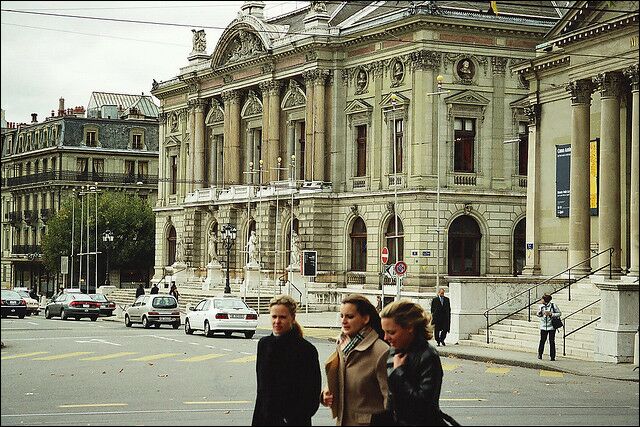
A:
(230, 95)
(580, 91)
(610, 84)
(632, 74)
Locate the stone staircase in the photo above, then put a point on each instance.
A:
(518, 333)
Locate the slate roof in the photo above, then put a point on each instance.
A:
(143, 103)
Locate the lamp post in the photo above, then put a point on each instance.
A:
(228, 236)
(107, 238)
(394, 100)
(440, 80)
(277, 228)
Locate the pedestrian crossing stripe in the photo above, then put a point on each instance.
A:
(17, 356)
(154, 357)
(552, 374)
(498, 371)
(243, 359)
(218, 402)
(64, 355)
(449, 367)
(109, 356)
(93, 405)
(200, 358)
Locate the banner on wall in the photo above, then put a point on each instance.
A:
(563, 177)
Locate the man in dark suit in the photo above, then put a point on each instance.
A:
(440, 316)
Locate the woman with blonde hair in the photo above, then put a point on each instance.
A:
(356, 371)
(413, 366)
(287, 369)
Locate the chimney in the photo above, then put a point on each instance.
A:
(34, 117)
(61, 107)
(53, 113)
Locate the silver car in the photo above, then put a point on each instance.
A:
(221, 314)
(153, 310)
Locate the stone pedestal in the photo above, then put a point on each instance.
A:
(468, 304)
(252, 277)
(297, 284)
(614, 339)
(179, 275)
(215, 277)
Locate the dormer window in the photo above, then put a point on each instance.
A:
(136, 139)
(91, 136)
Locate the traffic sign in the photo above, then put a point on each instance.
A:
(388, 271)
(400, 268)
(384, 255)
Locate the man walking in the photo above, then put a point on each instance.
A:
(441, 316)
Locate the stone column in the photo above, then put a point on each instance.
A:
(162, 160)
(219, 160)
(198, 141)
(423, 112)
(273, 144)
(263, 154)
(213, 158)
(319, 151)
(309, 125)
(609, 173)
(579, 211)
(192, 148)
(232, 172)
(532, 260)
(632, 74)
(497, 132)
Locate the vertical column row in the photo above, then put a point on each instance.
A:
(632, 75)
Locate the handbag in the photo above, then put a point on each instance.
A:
(556, 322)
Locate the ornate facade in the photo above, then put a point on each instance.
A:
(331, 122)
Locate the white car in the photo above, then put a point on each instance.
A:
(221, 314)
(33, 306)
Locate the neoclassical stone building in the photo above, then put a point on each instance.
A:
(331, 121)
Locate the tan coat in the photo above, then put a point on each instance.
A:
(360, 386)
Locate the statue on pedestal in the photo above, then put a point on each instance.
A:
(213, 246)
(296, 249)
(179, 251)
(252, 248)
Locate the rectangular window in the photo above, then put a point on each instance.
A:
(397, 139)
(303, 148)
(361, 149)
(174, 174)
(82, 171)
(523, 148)
(143, 171)
(465, 136)
(98, 169)
(136, 142)
(91, 138)
(130, 170)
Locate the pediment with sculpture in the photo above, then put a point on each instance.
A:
(243, 45)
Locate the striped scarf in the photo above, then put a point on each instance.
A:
(357, 338)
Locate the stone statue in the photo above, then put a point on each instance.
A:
(213, 246)
(252, 248)
(361, 82)
(179, 251)
(296, 249)
(319, 6)
(398, 72)
(199, 41)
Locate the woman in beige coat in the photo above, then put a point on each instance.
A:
(356, 371)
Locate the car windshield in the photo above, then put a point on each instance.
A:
(81, 297)
(7, 294)
(99, 297)
(164, 302)
(24, 294)
(229, 304)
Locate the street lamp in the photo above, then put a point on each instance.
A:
(394, 100)
(228, 235)
(107, 238)
(440, 80)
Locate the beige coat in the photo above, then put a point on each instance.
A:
(360, 385)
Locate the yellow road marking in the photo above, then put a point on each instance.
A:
(552, 374)
(110, 356)
(448, 367)
(154, 357)
(465, 399)
(244, 359)
(93, 405)
(200, 358)
(64, 356)
(16, 356)
(500, 371)
(218, 402)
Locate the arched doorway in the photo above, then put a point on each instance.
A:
(519, 246)
(171, 246)
(464, 247)
(358, 245)
(391, 237)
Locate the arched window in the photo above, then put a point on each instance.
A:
(464, 247)
(359, 246)
(171, 246)
(392, 239)
(519, 246)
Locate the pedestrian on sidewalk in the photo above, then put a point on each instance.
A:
(287, 371)
(546, 311)
(413, 366)
(441, 316)
(139, 290)
(154, 289)
(174, 291)
(357, 370)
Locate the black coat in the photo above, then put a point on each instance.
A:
(414, 387)
(289, 381)
(139, 292)
(441, 313)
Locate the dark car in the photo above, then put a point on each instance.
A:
(106, 305)
(76, 305)
(13, 304)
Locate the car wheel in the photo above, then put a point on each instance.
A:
(29, 313)
(227, 333)
(145, 322)
(21, 316)
(47, 315)
(127, 321)
(207, 329)
(94, 318)
(249, 334)
(187, 327)
(63, 315)
(176, 325)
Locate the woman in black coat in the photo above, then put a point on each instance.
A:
(413, 366)
(288, 371)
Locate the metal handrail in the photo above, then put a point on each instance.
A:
(564, 328)
(568, 284)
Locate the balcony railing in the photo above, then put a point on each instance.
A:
(14, 217)
(67, 175)
(26, 249)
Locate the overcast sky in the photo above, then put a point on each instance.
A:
(48, 57)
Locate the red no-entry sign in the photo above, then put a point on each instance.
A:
(384, 255)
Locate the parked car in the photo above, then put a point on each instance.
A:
(106, 305)
(33, 306)
(221, 314)
(153, 310)
(76, 305)
(13, 304)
